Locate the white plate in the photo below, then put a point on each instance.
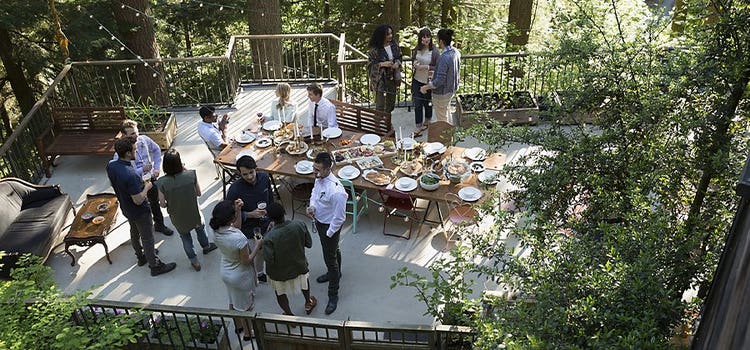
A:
(304, 167)
(331, 133)
(272, 125)
(406, 184)
(434, 147)
(475, 153)
(244, 137)
(245, 152)
(488, 177)
(407, 143)
(349, 172)
(263, 142)
(470, 194)
(369, 139)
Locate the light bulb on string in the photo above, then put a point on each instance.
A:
(122, 48)
(137, 14)
(221, 8)
(145, 64)
(201, 5)
(153, 75)
(112, 37)
(123, 6)
(101, 27)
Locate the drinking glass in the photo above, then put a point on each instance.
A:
(256, 233)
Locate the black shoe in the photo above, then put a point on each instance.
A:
(142, 260)
(262, 277)
(211, 247)
(163, 229)
(162, 268)
(332, 303)
(324, 278)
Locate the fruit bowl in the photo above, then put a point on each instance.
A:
(457, 171)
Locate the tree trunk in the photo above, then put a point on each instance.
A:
(447, 14)
(138, 32)
(519, 20)
(188, 41)
(391, 14)
(264, 17)
(14, 73)
(405, 12)
(7, 129)
(421, 12)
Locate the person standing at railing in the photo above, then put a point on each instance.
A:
(445, 80)
(147, 161)
(424, 58)
(282, 108)
(384, 67)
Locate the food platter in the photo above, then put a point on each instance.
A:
(296, 147)
(369, 162)
(353, 154)
(378, 178)
(411, 167)
(475, 153)
(431, 148)
(244, 138)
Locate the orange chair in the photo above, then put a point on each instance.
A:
(400, 204)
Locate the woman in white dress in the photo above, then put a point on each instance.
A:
(237, 270)
(282, 108)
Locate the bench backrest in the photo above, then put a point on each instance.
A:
(88, 118)
(356, 118)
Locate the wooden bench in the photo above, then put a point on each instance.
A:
(356, 118)
(80, 131)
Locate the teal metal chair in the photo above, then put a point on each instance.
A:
(357, 201)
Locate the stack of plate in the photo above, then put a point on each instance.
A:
(304, 167)
(431, 148)
(406, 184)
(470, 194)
(349, 172)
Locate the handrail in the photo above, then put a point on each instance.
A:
(27, 118)
(149, 60)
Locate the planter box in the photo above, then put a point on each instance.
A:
(571, 117)
(166, 135)
(160, 338)
(517, 108)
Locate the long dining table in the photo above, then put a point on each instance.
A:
(282, 163)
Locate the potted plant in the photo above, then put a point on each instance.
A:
(187, 332)
(518, 107)
(154, 121)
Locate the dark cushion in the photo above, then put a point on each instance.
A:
(38, 196)
(10, 205)
(35, 230)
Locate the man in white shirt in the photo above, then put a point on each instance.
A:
(328, 209)
(211, 132)
(320, 113)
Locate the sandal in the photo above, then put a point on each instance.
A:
(310, 305)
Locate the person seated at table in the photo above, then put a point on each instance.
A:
(320, 113)
(282, 108)
(253, 188)
(213, 133)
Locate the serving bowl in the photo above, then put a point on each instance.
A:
(457, 171)
(88, 216)
(429, 181)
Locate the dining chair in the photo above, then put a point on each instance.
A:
(228, 173)
(460, 214)
(357, 200)
(440, 131)
(400, 204)
(300, 194)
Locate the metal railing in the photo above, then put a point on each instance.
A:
(179, 327)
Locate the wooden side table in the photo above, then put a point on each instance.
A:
(86, 234)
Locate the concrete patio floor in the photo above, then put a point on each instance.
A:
(369, 257)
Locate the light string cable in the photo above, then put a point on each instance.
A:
(124, 47)
(221, 7)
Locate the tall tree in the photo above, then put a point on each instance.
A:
(405, 13)
(264, 17)
(15, 73)
(519, 20)
(391, 14)
(448, 13)
(137, 28)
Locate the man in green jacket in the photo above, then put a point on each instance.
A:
(286, 264)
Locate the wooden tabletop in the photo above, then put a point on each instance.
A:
(83, 230)
(285, 165)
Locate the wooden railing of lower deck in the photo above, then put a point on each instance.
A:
(278, 332)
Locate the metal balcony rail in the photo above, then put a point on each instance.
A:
(189, 327)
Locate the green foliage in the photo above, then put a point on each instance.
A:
(35, 314)
(149, 116)
(184, 330)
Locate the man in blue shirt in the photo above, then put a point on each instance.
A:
(131, 192)
(253, 188)
(445, 79)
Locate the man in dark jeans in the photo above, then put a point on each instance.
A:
(147, 160)
(328, 209)
(253, 188)
(131, 192)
